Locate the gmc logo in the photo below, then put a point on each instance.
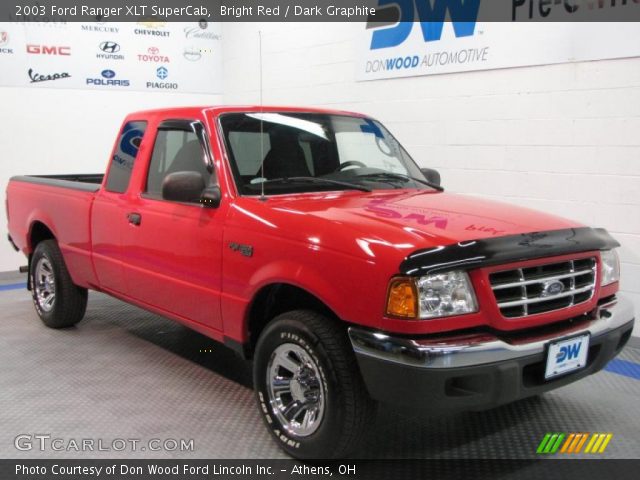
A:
(46, 50)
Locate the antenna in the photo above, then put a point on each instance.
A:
(262, 197)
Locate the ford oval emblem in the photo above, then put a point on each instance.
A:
(551, 288)
(108, 73)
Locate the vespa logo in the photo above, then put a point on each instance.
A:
(110, 47)
(552, 288)
(568, 352)
(431, 15)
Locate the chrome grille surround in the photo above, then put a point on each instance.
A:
(543, 288)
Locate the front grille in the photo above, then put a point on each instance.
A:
(543, 288)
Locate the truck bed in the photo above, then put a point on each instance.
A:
(88, 182)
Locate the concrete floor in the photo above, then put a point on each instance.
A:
(124, 373)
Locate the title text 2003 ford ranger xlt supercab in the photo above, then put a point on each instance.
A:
(310, 241)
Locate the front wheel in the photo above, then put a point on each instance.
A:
(309, 388)
(57, 300)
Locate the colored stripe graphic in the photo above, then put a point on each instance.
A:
(12, 286)
(550, 443)
(624, 367)
(573, 443)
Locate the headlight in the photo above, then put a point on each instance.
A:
(610, 267)
(431, 296)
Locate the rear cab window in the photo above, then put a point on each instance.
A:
(125, 155)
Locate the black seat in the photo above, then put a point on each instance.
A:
(286, 158)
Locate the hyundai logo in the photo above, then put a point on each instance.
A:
(110, 47)
(108, 73)
(551, 288)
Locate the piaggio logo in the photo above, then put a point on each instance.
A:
(48, 50)
(431, 15)
(572, 443)
(162, 73)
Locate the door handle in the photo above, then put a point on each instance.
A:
(134, 219)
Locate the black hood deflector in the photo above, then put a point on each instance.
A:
(513, 248)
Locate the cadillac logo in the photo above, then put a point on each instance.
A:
(552, 288)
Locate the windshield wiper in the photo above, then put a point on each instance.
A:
(400, 176)
(326, 181)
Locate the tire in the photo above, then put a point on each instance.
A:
(326, 379)
(58, 302)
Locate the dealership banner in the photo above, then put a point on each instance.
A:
(429, 37)
(153, 56)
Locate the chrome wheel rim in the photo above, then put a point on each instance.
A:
(296, 391)
(45, 285)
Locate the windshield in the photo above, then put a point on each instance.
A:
(310, 152)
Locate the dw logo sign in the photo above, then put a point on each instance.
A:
(431, 15)
(569, 352)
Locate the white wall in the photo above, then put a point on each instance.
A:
(50, 131)
(562, 138)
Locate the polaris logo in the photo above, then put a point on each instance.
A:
(431, 14)
(108, 80)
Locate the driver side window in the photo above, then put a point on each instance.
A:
(174, 151)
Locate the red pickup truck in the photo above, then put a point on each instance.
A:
(310, 241)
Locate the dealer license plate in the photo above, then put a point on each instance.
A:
(567, 355)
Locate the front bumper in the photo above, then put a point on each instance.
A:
(480, 371)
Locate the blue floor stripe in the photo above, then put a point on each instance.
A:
(624, 367)
(12, 286)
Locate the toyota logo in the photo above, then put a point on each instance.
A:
(110, 47)
(551, 288)
(153, 50)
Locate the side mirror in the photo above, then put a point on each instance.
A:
(183, 187)
(432, 176)
(211, 197)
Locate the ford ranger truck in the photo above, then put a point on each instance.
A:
(310, 241)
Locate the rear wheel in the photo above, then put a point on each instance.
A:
(57, 300)
(309, 388)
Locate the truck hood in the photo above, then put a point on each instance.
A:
(404, 220)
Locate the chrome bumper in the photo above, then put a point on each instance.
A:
(480, 348)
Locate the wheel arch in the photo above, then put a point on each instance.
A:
(274, 299)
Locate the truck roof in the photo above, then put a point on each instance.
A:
(219, 109)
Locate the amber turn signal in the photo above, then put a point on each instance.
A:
(402, 299)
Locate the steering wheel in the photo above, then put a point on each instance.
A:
(350, 163)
